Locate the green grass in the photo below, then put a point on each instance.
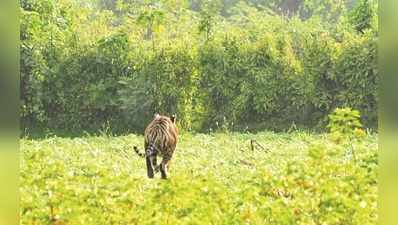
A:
(214, 179)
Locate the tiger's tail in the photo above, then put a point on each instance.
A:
(138, 153)
(150, 151)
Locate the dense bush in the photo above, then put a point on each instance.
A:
(164, 82)
(83, 68)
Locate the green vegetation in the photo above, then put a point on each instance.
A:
(214, 179)
(345, 124)
(241, 65)
(236, 72)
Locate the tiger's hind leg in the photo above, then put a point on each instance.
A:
(164, 165)
(157, 168)
(163, 169)
(155, 164)
(149, 166)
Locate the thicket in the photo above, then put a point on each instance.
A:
(240, 66)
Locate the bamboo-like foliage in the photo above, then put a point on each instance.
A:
(215, 64)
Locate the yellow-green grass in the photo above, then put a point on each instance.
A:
(294, 178)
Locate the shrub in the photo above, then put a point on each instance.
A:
(345, 122)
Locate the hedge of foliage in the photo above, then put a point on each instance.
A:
(83, 67)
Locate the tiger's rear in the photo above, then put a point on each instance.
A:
(160, 139)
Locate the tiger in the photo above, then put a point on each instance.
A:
(161, 136)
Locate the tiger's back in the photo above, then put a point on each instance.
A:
(163, 133)
(161, 136)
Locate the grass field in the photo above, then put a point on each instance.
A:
(298, 178)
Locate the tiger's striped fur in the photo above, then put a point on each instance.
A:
(161, 136)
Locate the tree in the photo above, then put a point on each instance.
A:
(208, 12)
(362, 15)
(151, 17)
